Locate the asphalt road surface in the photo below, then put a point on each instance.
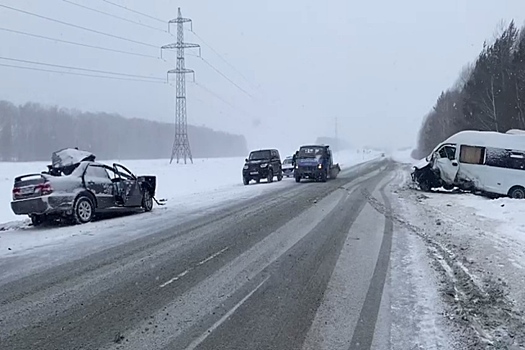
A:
(300, 269)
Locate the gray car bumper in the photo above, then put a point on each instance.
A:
(42, 205)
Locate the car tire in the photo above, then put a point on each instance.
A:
(324, 176)
(258, 180)
(297, 179)
(37, 220)
(270, 175)
(517, 192)
(280, 177)
(425, 186)
(147, 201)
(245, 181)
(83, 210)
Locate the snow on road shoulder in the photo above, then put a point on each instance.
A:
(416, 308)
(190, 190)
(479, 257)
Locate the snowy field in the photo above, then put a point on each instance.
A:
(190, 190)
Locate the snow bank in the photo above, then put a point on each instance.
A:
(508, 214)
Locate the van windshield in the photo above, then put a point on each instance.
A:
(310, 152)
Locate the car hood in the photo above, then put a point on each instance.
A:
(421, 164)
(70, 156)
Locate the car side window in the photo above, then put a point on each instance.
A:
(96, 172)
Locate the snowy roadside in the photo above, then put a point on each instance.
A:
(416, 308)
(477, 249)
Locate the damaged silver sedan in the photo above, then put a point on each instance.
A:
(76, 188)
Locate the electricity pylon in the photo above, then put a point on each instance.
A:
(181, 144)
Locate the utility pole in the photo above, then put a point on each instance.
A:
(181, 144)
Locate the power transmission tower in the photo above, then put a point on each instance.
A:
(181, 144)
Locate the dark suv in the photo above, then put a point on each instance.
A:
(262, 164)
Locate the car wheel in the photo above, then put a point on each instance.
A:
(270, 175)
(37, 220)
(83, 210)
(517, 192)
(147, 201)
(245, 181)
(324, 176)
(297, 179)
(257, 180)
(425, 186)
(280, 177)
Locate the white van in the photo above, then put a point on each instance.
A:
(490, 162)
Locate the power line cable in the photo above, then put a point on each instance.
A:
(213, 94)
(115, 16)
(221, 73)
(220, 56)
(77, 26)
(77, 43)
(225, 77)
(199, 37)
(204, 88)
(80, 74)
(79, 68)
(134, 11)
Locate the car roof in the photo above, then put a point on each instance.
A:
(264, 149)
(322, 146)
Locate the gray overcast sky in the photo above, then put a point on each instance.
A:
(376, 65)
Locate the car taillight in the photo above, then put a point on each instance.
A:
(16, 192)
(45, 188)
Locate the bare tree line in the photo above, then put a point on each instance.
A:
(31, 132)
(489, 94)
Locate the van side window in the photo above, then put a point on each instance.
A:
(448, 152)
(503, 158)
(472, 154)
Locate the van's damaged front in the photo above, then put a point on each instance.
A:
(424, 176)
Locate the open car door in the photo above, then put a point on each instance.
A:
(445, 161)
(128, 189)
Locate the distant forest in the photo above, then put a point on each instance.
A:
(31, 132)
(489, 94)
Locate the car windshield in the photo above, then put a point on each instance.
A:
(310, 152)
(287, 161)
(260, 155)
